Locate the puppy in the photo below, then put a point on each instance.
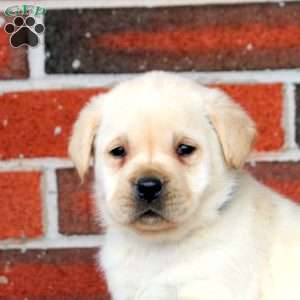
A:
(183, 220)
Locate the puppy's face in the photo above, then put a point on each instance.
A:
(160, 152)
(153, 163)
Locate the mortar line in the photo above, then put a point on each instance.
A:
(36, 56)
(50, 4)
(289, 116)
(63, 242)
(75, 81)
(38, 164)
(51, 205)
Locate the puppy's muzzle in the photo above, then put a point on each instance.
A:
(148, 190)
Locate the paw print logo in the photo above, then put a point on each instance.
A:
(24, 31)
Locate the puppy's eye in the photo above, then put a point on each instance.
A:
(185, 150)
(118, 152)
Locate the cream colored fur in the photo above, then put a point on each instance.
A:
(225, 236)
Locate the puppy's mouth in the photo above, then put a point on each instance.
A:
(152, 221)
(150, 216)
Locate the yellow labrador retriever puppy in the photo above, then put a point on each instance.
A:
(183, 221)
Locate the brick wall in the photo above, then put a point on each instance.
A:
(48, 236)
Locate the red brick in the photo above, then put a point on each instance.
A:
(76, 205)
(21, 207)
(206, 39)
(28, 121)
(282, 177)
(69, 274)
(264, 103)
(298, 115)
(13, 61)
(182, 38)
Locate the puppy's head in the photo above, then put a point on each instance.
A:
(164, 152)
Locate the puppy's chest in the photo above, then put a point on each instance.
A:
(140, 263)
(131, 267)
(134, 268)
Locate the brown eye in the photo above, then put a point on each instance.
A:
(185, 150)
(118, 152)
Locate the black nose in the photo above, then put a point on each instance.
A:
(148, 188)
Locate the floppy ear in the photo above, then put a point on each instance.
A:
(84, 131)
(235, 129)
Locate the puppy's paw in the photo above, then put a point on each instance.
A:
(157, 293)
